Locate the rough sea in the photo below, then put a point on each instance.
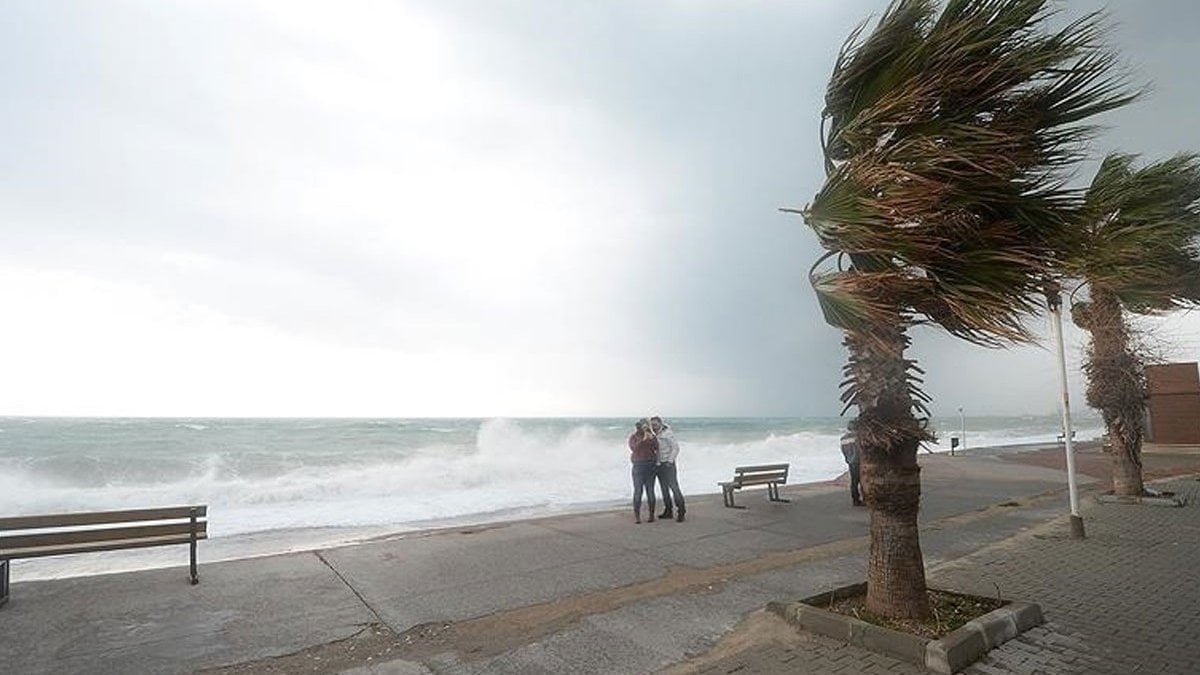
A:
(274, 485)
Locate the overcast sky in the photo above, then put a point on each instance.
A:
(455, 207)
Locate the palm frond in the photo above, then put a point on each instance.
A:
(867, 69)
(853, 300)
(1142, 233)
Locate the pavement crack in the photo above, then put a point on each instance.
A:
(351, 587)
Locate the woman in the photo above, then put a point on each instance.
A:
(643, 452)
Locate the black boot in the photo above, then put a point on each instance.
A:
(667, 514)
(679, 518)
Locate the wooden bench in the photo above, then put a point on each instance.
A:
(65, 533)
(771, 475)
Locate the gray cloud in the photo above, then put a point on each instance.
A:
(320, 179)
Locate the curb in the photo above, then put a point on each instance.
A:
(1148, 501)
(949, 654)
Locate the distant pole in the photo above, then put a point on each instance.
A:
(962, 430)
(1054, 303)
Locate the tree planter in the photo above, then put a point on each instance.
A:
(949, 654)
(1148, 500)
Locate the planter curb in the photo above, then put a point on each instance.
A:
(1148, 501)
(949, 654)
(966, 644)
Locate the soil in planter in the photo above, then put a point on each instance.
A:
(950, 611)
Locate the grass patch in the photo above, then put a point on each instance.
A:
(950, 611)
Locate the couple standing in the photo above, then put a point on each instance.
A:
(653, 449)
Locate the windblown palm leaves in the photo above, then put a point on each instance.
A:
(1142, 233)
(1140, 252)
(944, 137)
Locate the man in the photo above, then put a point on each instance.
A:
(668, 476)
(853, 460)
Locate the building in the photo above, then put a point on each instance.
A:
(1174, 408)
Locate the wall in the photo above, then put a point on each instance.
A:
(1174, 403)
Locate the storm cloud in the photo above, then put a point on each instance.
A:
(515, 207)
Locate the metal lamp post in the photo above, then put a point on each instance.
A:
(1054, 303)
(962, 429)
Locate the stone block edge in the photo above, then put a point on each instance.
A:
(949, 654)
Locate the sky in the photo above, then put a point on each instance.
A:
(459, 208)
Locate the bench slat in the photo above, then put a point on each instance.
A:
(760, 474)
(69, 537)
(761, 467)
(757, 481)
(99, 517)
(86, 547)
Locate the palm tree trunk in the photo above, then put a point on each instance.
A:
(889, 435)
(895, 568)
(1126, 464)
(1117, 387)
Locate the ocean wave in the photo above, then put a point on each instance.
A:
(507, 466)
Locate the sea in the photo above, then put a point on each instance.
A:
(277, 485)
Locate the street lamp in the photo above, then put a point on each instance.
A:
(1054, 304)
(962, 430)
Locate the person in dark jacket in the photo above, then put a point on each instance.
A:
(850, 452)
(643, 453)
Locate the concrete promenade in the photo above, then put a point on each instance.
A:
(594, 593)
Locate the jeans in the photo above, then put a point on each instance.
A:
(856, 494)
(643, 479)
(668, 482)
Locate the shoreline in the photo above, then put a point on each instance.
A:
(283, 541)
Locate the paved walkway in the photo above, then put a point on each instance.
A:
(1125, 600)
(593, 593)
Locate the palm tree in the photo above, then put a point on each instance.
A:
(945, 136)
(1140, 254)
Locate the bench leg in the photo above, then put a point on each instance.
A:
(773, 494)
(195, 576)
(3, 582)
(192, 546)
(729, 500)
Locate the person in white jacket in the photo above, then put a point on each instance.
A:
(667, 472)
